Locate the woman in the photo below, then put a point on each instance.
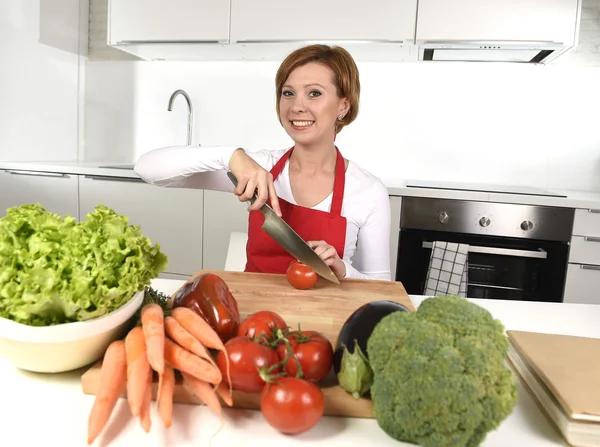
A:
(341, 210)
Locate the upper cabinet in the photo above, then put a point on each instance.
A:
(277, 20)
(533, 21)
(530, 31)
(133, 21)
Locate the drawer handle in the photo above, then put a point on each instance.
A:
(595, 211)
(119, 179)
(590, 267)
(591, 239)
(36, 173)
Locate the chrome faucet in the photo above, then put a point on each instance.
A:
(190, 112)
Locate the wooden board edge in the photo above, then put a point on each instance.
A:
(337, 401)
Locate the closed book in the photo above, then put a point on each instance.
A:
(562, 372)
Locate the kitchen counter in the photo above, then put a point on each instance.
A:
(573, 199)
(40, 409)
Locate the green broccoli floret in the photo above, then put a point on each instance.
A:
(439, 377)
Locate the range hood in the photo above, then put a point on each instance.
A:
(491, 51)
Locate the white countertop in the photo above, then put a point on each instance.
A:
(574, 199)
(38, 409)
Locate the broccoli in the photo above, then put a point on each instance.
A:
(439, 377)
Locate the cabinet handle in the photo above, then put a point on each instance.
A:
(325, 41)
(591, 239)
(147, 42)
(36, 173)
(113, 178)
(590, 267)
(595, 211)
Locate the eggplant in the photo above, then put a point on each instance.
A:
(350, 357)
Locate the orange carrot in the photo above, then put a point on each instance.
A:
(185, 361)
(204, 391)
(221, 390)
(164, 398)
(202, 331)
(187, 341)
(137, 368)
(145, 407)
(113, 377)
(153, 325)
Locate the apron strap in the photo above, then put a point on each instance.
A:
(339, 182)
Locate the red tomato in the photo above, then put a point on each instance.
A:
(301, 276)
(246, 358)
(314, 352)
(261, 326)
(292, 405)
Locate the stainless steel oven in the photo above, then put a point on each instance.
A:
(516, 252)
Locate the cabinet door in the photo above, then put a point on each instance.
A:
(170, 216)
(54, 191)
(493, 20)
(168, 21)
(582, 284)
(223, 214)
(277, 20)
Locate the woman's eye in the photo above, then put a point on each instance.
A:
(314, 93)
(287, 93)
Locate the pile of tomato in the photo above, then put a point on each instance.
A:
(281, 364)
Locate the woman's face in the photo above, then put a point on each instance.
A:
(309, 105)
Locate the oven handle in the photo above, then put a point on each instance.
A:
(540, 254)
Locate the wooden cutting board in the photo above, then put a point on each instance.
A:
(324, 308)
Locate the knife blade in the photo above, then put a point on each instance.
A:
(285, 236)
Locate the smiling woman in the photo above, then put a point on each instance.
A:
(340, 209)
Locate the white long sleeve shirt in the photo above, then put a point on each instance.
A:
(366, 205)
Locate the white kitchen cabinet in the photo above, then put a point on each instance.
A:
(170, 216)
(168, 21)
(54, 191)
(276, 20)
(223, 214)
(582, 284)
(493, 20)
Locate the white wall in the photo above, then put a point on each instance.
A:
(40, 43)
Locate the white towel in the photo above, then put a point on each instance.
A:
(448, 268)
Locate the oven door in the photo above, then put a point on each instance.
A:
(498, 267)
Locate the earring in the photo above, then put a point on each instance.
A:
(341, 117)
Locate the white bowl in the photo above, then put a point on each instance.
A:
(64, 347)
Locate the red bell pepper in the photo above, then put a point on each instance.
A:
(209, 296)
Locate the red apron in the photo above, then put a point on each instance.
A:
(265, 255)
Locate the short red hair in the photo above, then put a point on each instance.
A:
(341, 63)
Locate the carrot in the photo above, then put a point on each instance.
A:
(164, 398)
(153, 325)
(221, 390)
(113, 377)
(203, 332)
(185, 361)
(204, 391)
(137, 368)
(187, 341)
(145, 407)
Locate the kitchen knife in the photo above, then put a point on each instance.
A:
(279, 230)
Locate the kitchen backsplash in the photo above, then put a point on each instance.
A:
(523, 125)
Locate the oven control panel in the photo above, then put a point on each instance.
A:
(487, 218)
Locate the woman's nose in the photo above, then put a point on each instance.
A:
(298, 104)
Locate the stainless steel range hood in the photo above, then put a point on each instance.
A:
(527, 52)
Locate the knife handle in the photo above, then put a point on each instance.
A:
(235, 183)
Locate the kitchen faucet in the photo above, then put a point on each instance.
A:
(190, 112)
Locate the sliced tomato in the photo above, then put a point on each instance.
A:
(292, 405)
(301, 276)
(312, 350)
(246, 359)
(261, 326)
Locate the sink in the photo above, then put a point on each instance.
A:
(117, 166)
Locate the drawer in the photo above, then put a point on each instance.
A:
(587, 222)
(585, 250)
(582, 284)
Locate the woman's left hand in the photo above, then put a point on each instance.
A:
(328, 253)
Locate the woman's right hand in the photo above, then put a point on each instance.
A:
(251, 176)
